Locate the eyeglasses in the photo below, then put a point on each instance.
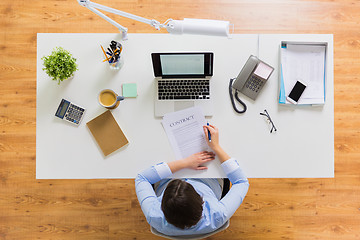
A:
(269, 121)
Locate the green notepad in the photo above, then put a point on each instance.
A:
(129, 90)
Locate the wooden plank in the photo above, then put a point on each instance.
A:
(108, 209)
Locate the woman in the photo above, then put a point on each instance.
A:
(191, 206)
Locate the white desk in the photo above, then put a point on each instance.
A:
(303, 146)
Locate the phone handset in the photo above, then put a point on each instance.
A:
(237, 98)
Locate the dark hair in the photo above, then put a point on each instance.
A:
(181, 204)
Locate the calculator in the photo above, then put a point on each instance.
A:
(70, 112)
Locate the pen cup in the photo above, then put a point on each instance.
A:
(109, 99)
(114, 56)
(116, 65)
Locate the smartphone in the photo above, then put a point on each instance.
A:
(296, 92)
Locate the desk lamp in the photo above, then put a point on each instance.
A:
(188, 25)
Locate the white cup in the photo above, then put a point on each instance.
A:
(109, 99)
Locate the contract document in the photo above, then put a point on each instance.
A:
(185, 131)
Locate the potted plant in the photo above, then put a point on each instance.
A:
(60, 65)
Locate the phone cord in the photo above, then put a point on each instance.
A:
(237, 98)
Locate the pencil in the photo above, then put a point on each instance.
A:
(106, 58)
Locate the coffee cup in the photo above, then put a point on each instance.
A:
(109, 99)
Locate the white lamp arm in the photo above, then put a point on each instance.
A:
(189, 26)
(94, 6)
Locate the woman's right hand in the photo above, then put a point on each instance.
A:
(214, 132)
(214, 144)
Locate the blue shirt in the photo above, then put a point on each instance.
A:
(215, 211)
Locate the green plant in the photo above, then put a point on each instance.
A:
(60, 65)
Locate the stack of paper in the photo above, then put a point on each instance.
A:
(185, 131)
(304, 62)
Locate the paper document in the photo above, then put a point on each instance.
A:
(304, 62)
(185, 131)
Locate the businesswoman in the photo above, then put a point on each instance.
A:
(191, 206)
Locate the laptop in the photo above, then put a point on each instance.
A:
(182, 80)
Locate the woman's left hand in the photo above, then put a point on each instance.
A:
(196, 160)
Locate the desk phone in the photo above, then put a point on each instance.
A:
(70, 112)
(252, 77)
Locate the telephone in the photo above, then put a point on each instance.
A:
(250, 80)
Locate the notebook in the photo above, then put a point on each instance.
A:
(182, 81)
(107, 133)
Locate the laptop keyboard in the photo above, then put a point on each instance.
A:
(183, 89)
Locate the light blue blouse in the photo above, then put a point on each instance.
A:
(215, 212)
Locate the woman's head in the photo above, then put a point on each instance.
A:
(181, 204)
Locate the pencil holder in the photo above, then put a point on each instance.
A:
(113, 55)
(116, 65)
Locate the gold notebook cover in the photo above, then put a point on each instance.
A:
(107, 133)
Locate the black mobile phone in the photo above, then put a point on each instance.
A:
(296, 92)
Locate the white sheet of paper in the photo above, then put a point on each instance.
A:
(307, 64)
(185, 131)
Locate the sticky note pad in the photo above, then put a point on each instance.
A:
(129, 90)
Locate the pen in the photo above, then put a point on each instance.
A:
(209, 135)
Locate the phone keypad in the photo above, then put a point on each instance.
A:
(254, 83)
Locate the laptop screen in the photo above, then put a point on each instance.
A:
(181, 64)
(175, 65)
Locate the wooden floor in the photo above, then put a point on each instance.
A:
(108, 209)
